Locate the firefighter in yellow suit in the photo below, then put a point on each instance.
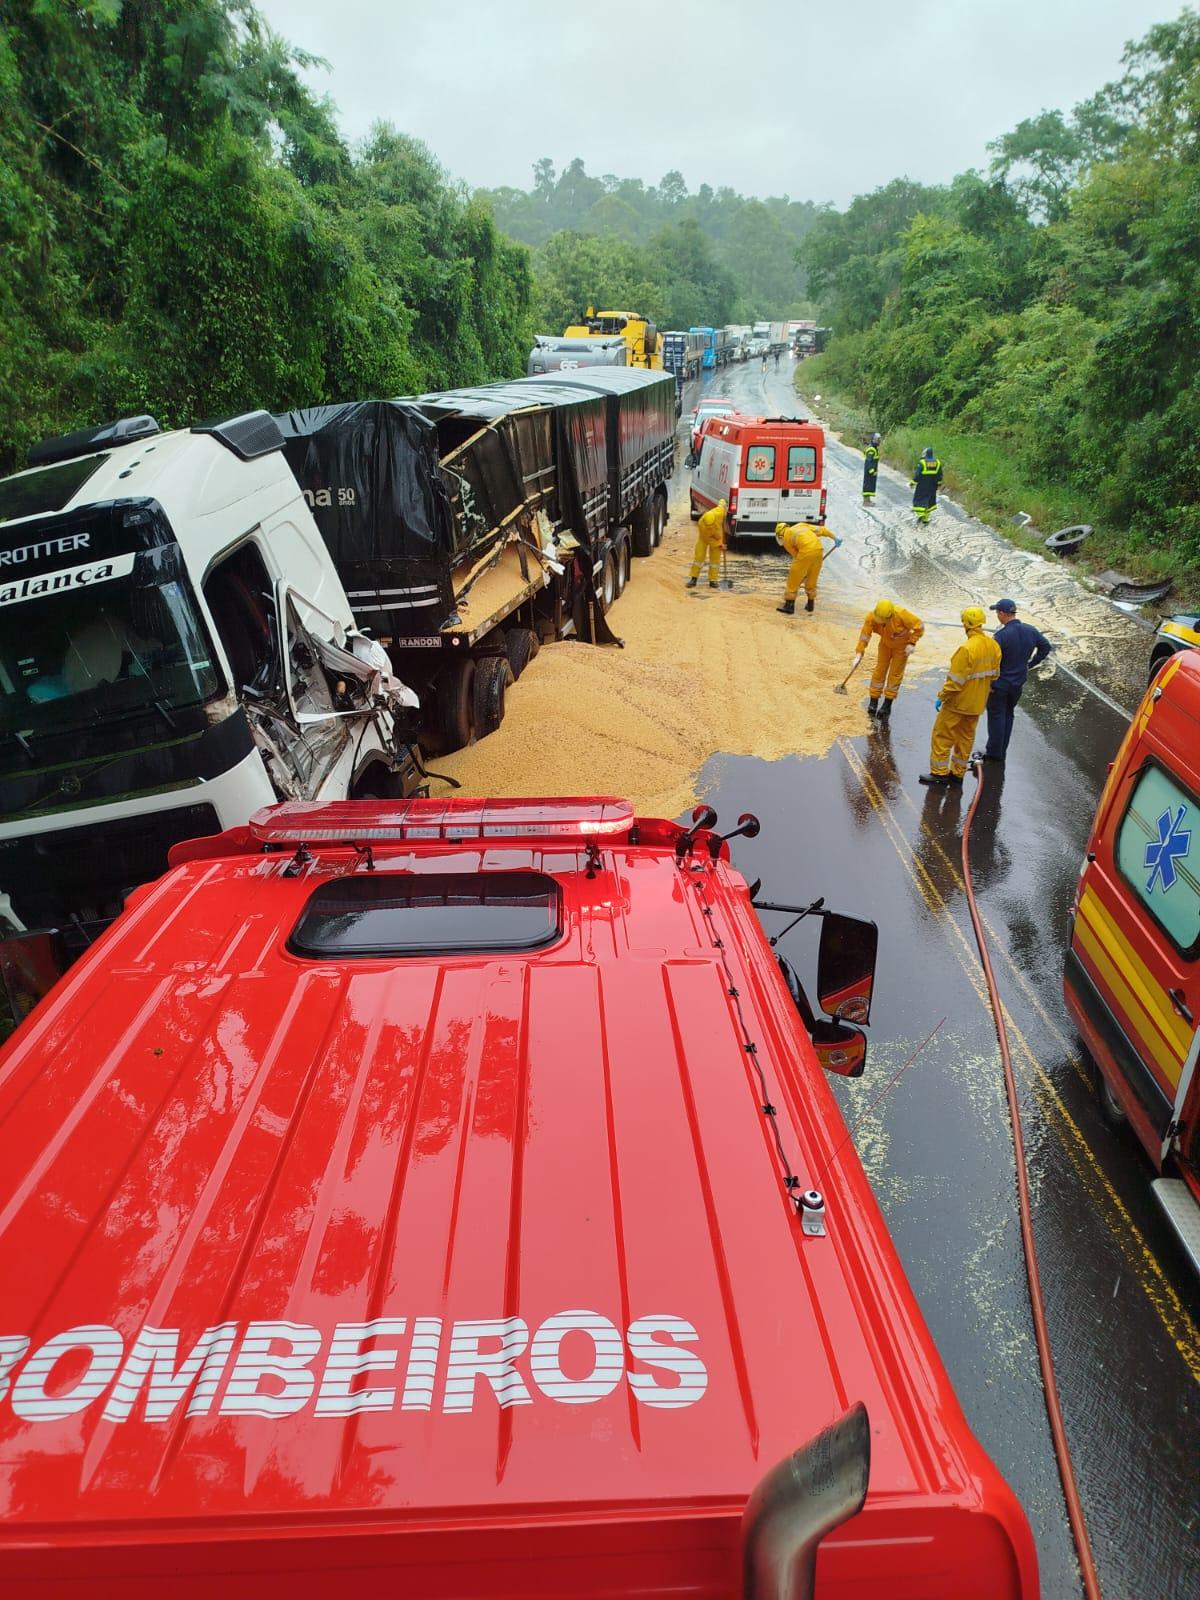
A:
(802, 541)
(898, 632)
(710, 541)
(974, 667)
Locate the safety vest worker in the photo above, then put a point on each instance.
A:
(898, 631)
(974, 667)
(802, 541)
(870, 470)
(710, 541)
(926, 480)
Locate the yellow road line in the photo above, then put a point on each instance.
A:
(1157, 1287)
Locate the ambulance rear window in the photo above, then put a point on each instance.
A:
(760, 463)
(1158, 852)
(802, 464)
(427, 914)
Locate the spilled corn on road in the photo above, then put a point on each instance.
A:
(702, 671)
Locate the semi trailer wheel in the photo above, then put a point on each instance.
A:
(521, 645)
(623, 566)
(608, 582)
(454, 707)
(660, 518)
(493, 679)
(642, 527)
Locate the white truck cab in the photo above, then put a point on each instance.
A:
(176, 650)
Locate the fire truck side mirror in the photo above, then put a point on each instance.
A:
(840, 1047)
(846, 967)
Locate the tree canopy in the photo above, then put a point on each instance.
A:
(1053, 303)
(184, 230)
(707, 258)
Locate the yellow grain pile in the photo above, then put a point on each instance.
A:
(702, 672)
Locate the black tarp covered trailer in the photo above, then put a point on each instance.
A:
(580, 422)
(370, 471)
(640, 432)
(574, 493)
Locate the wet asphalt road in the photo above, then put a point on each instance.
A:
(1122, 1304)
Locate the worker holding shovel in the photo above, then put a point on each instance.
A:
(802, 541)
(898, 631)
(711, 532)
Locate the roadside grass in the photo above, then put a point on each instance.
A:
(984, 477)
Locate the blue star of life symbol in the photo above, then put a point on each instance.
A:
(1173, 843)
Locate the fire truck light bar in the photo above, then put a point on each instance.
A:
(360, 821)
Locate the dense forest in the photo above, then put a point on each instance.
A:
(1042, 320)
(183, 230)
(684, 259)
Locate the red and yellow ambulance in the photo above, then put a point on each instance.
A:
(1132, 979)
(766, 469)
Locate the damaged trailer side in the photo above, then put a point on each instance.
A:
(640, 447)
(469, 525)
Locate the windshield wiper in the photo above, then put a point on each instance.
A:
(164, 710)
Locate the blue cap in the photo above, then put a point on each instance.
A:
(1004, 605)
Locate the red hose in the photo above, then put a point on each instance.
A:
(1062, 1450)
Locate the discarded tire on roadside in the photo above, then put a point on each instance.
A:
(1067, 540)
(493, 679)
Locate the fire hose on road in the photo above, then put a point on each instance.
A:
(1062, 1451)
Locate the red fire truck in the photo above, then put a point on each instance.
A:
(447, 1197)
(1132, 977)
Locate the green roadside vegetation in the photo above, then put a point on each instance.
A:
(981, 473)
(1040, 324)
(184, 230)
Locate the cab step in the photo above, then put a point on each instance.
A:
(1182, 1211)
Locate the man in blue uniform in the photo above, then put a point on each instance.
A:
(1021, 647)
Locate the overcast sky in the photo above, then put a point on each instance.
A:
(818, 101)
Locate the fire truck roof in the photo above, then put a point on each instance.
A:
(400, 1175)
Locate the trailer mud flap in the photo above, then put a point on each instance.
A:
(591, 625)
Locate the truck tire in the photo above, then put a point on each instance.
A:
(454, 707)
(1156, 661)
(608, 582)
(642, 526)
(521, 644)
(1111, 1108)
(623, 562)
(660, 518)
(1068, 540)
(693, 513)
(493, 679)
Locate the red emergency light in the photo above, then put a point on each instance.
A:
(311, 822)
